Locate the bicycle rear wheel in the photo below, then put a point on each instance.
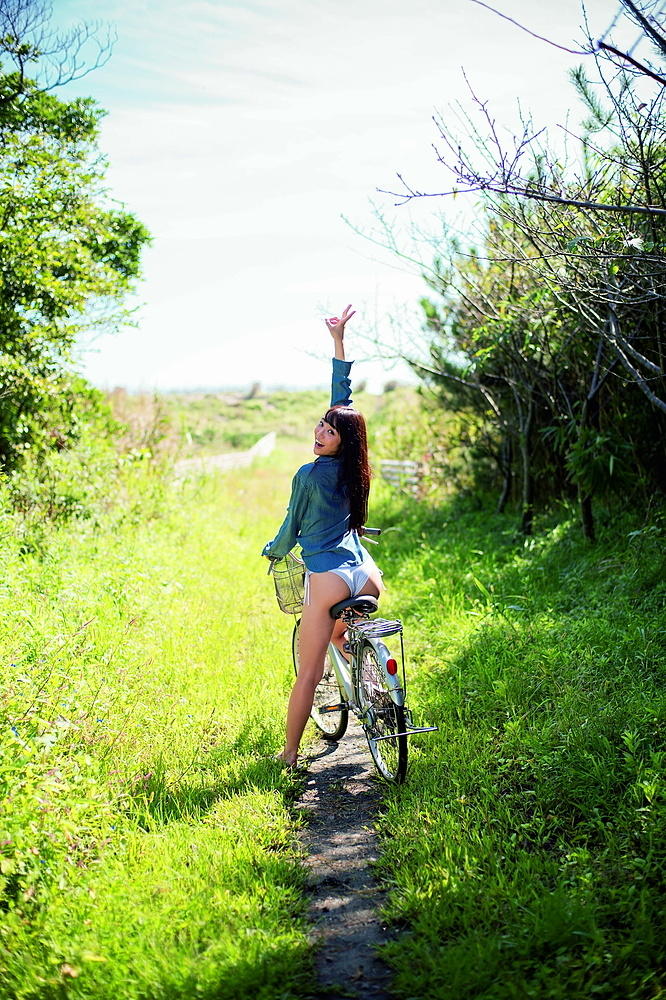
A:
(331, 725)
(382, 718)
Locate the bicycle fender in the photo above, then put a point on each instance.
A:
(393, 681)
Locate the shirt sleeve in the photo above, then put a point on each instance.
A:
(287, 536)
(341, 383)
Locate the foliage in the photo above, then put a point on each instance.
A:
(536, 368)
(145, 835)
(551, 328)
(526, 856)
(68, 255)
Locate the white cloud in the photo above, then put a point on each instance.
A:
(241, 132)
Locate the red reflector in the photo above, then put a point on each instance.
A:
(392, 666)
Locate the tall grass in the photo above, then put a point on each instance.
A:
(146, 838)
(526, 853)
(146, 841)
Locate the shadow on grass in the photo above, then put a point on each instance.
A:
(541, 789)
(461, 551)
(285, 973)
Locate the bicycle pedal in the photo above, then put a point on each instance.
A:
(332, 708)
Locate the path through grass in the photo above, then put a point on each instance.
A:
(146, 840)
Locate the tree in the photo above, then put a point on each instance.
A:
(68, 254)
(560, 317)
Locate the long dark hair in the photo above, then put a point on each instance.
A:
(353, 456)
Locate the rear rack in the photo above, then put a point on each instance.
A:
(378, 627)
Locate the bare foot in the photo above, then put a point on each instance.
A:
(290, 760)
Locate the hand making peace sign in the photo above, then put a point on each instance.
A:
(336, 325)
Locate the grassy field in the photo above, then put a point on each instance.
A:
(526, 854)
(146, 837)
(146, 840)
(210, 423)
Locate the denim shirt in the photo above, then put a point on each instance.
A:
(318, 512)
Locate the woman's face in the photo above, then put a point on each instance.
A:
(327, 439)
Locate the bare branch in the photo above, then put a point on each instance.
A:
(645, 24)
(474, 386)
(521, 192)
(630, 59)
(636, 355)
(59, 57)
(541, 38)
(614, 339)
(594, 46)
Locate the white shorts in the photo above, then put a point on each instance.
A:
(355, 577)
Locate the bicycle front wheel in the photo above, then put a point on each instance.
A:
(381, 718)
(331, 725)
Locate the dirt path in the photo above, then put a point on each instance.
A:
(340, 802)
(229, 460)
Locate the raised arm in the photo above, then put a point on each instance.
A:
(340, 384)
(336, 328)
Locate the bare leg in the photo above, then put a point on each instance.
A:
(373, 586)
(326, 589)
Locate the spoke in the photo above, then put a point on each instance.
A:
(383, 721)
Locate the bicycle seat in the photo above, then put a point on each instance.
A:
(365, 605)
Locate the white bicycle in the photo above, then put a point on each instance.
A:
(372, 683)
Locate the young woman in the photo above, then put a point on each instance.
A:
(327, 509)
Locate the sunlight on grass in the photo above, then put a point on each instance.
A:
(147, 843)
(526, 853)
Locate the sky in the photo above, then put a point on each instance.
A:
(252, 139)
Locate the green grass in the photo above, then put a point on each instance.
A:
(526, 853)
(146, 840)
(146, 837)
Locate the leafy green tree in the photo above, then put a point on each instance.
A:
(556, 325)
(68, 254)
(521, 331)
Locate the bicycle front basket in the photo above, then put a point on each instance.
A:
(289, 579)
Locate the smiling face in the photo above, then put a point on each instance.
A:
(327, 439)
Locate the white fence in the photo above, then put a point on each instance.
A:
(403, 475)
